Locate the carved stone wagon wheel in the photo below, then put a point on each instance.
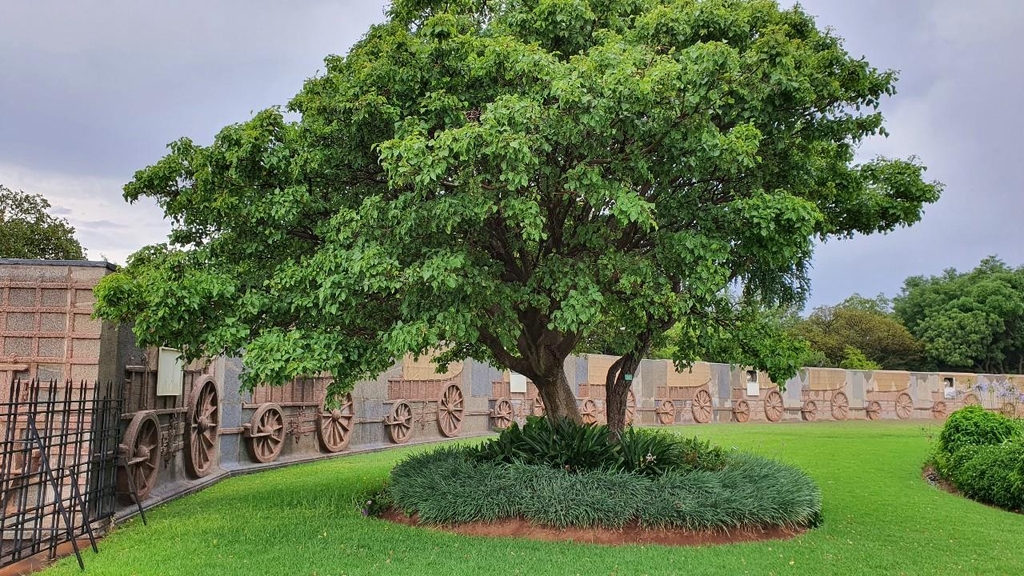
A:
(701, 407)
(741, 411)
(399, 422)
(773, 406)
(450, 410)
(502, 414)
(809, 411)
(666, 412)
(265, 433)
(873, 410)
(904, 406)
(588, 411)
(1009, 410)
(334, 426)
(140, 454)
(840, 406)
(202, 426)
(537, 408)
(630, 408)
(972, 400)
(939, 410)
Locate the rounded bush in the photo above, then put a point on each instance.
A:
(993, 474)
(974, 426)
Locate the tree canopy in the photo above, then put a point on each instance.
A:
(504, 178)
(861, 333)
(27, 230)
(972, 320)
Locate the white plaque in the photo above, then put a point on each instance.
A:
(517, 383)
(753, 388)
(169, 372)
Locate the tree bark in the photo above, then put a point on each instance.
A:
(616, 387)
(559, 400)
(542, 354)
(616, 391)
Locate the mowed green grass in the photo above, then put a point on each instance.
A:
(880, 517)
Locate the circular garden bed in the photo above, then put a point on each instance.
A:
(569, 481)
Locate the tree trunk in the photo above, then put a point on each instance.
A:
(559, 401)
(616, 390)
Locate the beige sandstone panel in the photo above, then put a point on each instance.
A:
(597, 367)
(697, 375)
(890, 380)
(424, 368)
(826, 378)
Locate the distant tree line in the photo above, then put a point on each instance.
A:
(971, 321)
(27, 230)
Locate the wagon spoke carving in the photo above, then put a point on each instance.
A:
(334, 425)
(589, 412)
(537, 408)
(203, 425)
(773, 406)
(140, 454)
(450, 409)
(266, 433)
(702, 407)
(399, 422)
(840, 406)
(503, 413)
(904, 406)
(666, 412)
(874, 410)
(809, 410)
(741, 411)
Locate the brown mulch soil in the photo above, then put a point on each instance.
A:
(932, 477)
(629, 534)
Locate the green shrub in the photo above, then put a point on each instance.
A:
(450, 485)
(573, 447)
(993, 474)
(655, 452)
(974, 426)
(565, 445)
(982, 454)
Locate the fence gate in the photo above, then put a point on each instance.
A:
(58, 464)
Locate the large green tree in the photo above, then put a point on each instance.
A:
(972, 320)
(27, 230)
(861, 327)
(503, 178)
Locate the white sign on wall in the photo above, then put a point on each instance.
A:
(169, 372)
(517, 383)
(753, 388)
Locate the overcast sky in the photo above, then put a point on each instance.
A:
(92, 90)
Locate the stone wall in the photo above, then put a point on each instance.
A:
(46, 331)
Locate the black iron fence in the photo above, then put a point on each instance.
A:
(58, 465)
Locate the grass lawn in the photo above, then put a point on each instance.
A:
(880, 518)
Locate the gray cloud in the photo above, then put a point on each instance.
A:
(957, 111)
(101, 225)
(94, 90)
